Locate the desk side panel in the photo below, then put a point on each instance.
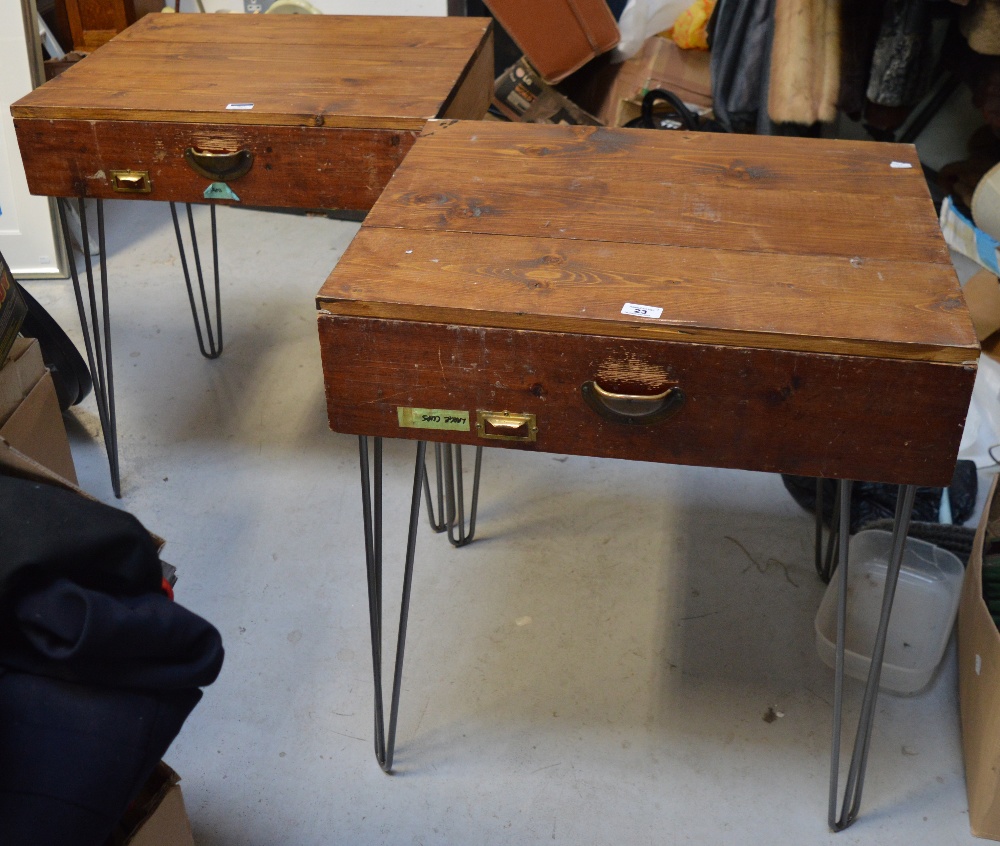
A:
(470, 98)
(757, 409)
(293, 166)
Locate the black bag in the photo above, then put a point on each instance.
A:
(662, 109)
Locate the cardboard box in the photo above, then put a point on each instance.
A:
(964, 237)
(12, 310)
(30, 418)
(979, 685)
(157, 817)
(982, 296)
(522, 95)
(618, 89)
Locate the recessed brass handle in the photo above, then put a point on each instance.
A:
(131, 181)
(506, 425)
(632, 409)
(219, 166)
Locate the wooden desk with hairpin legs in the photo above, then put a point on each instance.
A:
(776, 304)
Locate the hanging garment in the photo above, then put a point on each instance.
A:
(862, 22)
(902, 63)
(740, 32)
(980, 72)
(805, 62)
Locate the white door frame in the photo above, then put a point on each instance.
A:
(30, 238)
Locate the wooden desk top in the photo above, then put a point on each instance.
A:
(298, 70)
(791, 244)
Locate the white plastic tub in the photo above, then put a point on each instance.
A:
(930, 582)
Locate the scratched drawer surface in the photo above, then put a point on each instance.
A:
(808, 276)
(835, 416)
(285, 110)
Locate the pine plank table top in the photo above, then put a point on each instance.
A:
(797, 291)
(316, 99)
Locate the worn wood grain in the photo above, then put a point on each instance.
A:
(294, 166)
(754, 163)
(329, 70)
(809, 309)
(808, 303)
(93, 22)
(760, 409)
(667, 188)
(339, 31)
(471, 95)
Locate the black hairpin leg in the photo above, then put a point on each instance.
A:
(826, 562)
(96, 331)
(451, 494)
(439, 523)
(213, 328)
(371, 501)
(859, 758)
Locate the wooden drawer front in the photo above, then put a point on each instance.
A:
(293, 166)
(758, 409)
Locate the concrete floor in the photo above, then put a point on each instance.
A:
(595, 669)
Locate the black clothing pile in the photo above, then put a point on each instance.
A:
(98, 667)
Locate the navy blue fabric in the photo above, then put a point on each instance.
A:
(98, 669)
(142, 642)
(72, 757)
(617, 7)
(46, 532)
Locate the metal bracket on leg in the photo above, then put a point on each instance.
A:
(451, 494)
(213, 327)
(97, 331)
(862, 740)
(371, 499)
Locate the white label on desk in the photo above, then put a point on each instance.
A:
(239, 107)
(900, 165)
(433, 418)
(651, 312)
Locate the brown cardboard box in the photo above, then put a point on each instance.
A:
(979, 686)
(157, 817)
(30, 419)
(522, 95)
(12, 310)
(660, 64)
(982, 296)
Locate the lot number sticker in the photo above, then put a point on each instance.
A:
(651, 312)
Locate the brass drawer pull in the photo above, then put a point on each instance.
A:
(506, 426)
(632, 409)
(131, 181)
(219, 166)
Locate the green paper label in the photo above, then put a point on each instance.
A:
(220, 191)
(433, 418)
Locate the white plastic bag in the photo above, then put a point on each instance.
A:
(641, 19)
